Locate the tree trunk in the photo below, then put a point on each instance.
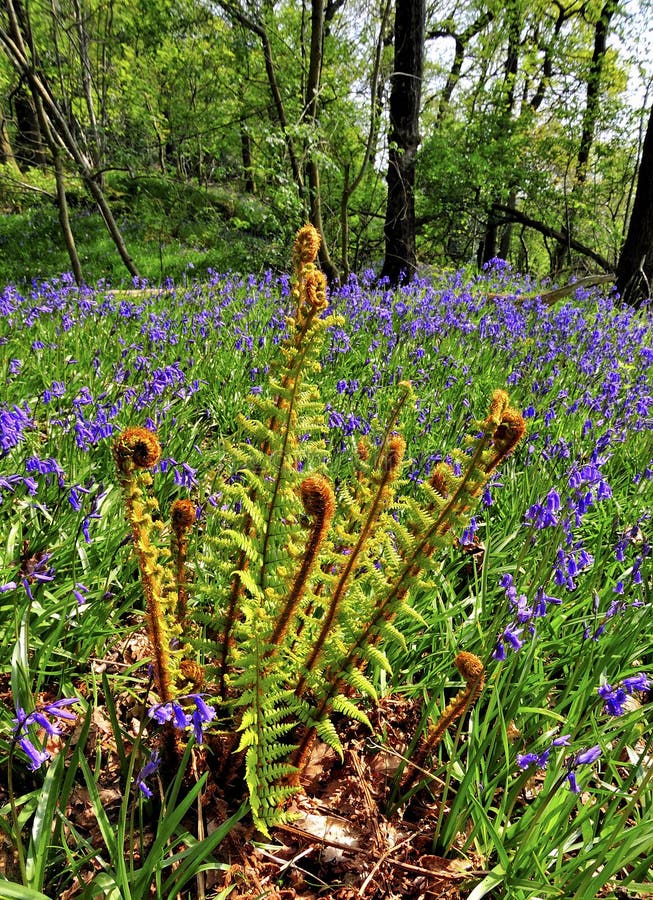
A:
(30, 150)
(635, 266)
(590, 119)
(64, 221)
(376, 109)
(399, 231)
(62, 201)
(248, 167)
(489, 247)
(312, 105)
(7, 156)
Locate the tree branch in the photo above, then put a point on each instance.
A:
(514, 215)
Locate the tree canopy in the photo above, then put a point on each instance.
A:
(527, 140)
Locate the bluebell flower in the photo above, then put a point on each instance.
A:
(41, 717)
(614, 698)
(540, 760)
(202, 715)
(573, 784)
(638, 682)
(587, 757)
(509, 637)
(36, 757)
(150, 767)
(175, 713)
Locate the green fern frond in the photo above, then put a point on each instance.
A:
(296, 594)
(326, 731)
(346, 707)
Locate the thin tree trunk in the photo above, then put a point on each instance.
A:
(350, 185)
(400, 254)
(461, 41)
(62, 200)
(246, 152)
(590, 119)
(635, 266)
(64, 221)
(312, 104)
(7, 156)
(490, 244)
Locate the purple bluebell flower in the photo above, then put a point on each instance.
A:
(40, 717)
(639, 682)
(175, 713)
(180, 718)
(524, 760)
(202, 715)
(511, 636)
(150, 767)
(161, 713)
(36, 757)
(573, 784)
(79, 592)
(540, 760)
(587, 757)
(614, 698)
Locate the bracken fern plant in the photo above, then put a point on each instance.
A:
(299, 586)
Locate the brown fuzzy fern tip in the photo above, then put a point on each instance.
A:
(507, 434)
(306, 246)
(136, 448)
(472, 670)
(182, 516)
(317, 497)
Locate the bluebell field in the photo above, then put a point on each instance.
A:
(560, 607)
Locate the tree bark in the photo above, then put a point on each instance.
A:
(7, 156)
(376, 108)
(257, 28)
(635, 266)
(405, 95)
(461, 42)
(489, 246)
(64, 221)
(590, 119)
(311, 106)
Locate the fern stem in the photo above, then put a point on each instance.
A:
(182, 517)
(472, 670)
(394, 456)
(397, 592)
(280, 468)
(232, 605)
(319, 502)
(134, 450)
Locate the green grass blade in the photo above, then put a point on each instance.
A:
(11, 891)
(40, 844)
(194, 857)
